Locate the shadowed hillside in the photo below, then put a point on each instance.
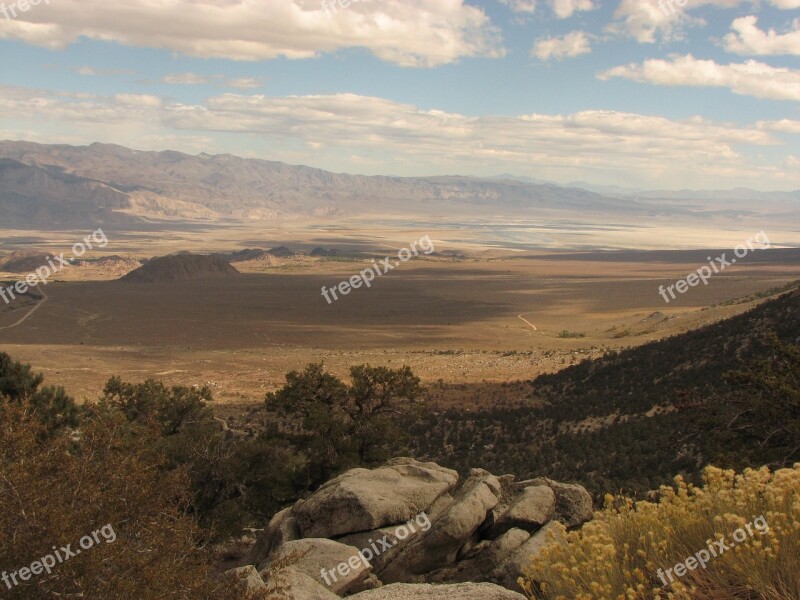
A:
(45, 196)
(633, 419)
(23, 262)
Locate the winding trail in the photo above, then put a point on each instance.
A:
(522, 316)
(30, 312)
(528, 322)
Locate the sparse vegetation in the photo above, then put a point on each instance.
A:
(724, 394)
(340, 426)
(58, 483)
(618, 554)
(571, 334)
(765, 294)
(727, 394)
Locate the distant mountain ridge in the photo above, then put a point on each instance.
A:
(60, 185)
(40, 196)
(225, 186)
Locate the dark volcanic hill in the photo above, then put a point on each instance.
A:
(23, 262)
(281, 252)
(181, 267)
(324, 252)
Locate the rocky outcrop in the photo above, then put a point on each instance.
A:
(507, 571)
(480, 563)
(573, 502)
(249, 576)
(534, 507)
(411, 529)
(474, 500)
(291, 584)
(362, 500)
(337, 566)
(282, 528)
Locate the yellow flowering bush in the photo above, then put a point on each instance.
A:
(624, 552)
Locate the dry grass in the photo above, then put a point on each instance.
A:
(618, 554)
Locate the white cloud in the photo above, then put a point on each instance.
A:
(649, 21)
(242, 83)
(646, 21)
(749, 39)
(414, 33)
(564, 9)
(186, 79)
(138, 100)
(784, 126)
(641, 147)
(751, 78)
(572, 44)
(88, 71)
(245, 83)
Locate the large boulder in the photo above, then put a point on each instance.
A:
(440, 546)
(512, 567)
(482, 560)
(291, 584)
(459, 591)
(529, 511)
(364, 500)
(573, 502)
(412, 523)
(381, 546)
(336, 566)
(249, 575)
(282, 528)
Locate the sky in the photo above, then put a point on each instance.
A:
(655, 94)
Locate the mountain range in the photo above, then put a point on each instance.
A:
(60, 186)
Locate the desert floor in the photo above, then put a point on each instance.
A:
(495, 315)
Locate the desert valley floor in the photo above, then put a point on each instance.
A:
(466, 315)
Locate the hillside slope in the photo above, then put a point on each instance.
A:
(43, 197)
(632, 420)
